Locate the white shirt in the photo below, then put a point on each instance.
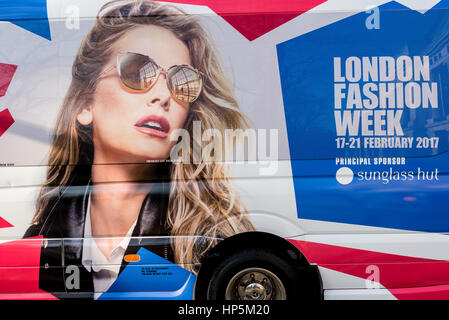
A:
(104, 272)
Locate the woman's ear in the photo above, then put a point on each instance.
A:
(85, 116)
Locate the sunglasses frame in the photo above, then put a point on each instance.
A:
(159, 71)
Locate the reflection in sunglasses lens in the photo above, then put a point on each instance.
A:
(137, 72)
(184, 83)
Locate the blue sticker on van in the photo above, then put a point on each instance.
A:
(152, 277)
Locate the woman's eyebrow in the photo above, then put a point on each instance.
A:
(152, 59)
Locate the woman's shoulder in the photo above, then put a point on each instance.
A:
(33, 230)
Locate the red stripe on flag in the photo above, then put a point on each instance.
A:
(255, 18)
(426, 293)
(19, 269)
(6, 73)
(395, 271)
(4, 223)
(6, 121)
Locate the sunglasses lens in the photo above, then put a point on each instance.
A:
(184, 83)
(137, 72)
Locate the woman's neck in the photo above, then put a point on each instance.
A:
(118, 191)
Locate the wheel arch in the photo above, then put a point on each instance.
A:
(261, 240)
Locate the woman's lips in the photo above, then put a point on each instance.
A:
(153, 125)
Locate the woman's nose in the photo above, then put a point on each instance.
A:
(159, 93)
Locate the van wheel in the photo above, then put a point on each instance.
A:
(254, 274)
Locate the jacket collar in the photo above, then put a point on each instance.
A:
(67, 217)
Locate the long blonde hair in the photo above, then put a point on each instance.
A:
(202, 200)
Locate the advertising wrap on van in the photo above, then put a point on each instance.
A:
(139, 136)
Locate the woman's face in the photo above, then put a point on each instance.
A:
(118, 115)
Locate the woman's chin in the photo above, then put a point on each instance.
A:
(132, 153)
(149, 157)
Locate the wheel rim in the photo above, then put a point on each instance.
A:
(255, 284)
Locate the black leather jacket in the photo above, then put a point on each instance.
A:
(63, 231)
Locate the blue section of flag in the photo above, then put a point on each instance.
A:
(152, 277)
(30, 15)
(307, 77)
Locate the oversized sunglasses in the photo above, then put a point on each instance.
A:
(139, 73)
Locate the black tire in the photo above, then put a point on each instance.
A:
(234, 268)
